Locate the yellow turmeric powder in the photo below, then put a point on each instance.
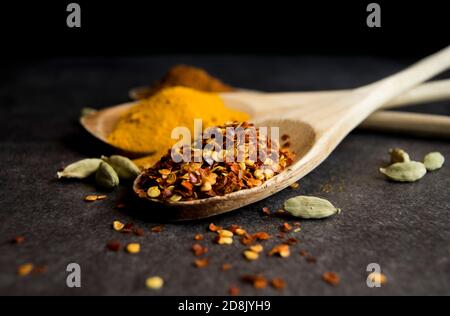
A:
(147, 126)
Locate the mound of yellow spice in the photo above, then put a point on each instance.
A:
(147, 126)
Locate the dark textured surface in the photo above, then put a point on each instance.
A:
(403, 227)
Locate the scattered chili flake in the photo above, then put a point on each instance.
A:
(261, 236)
(234, 291)
(226, 266)
(291, 241)
(285, 228)
(251, 255)
(258, 281)
(201, 263)
(154, 283)
(199, 250)
(198, 237)
(287, 144)
(90, 198)
(127, 228)
(331, 278)
(157, 229)
(18, 240)
(295, 185)
(284, 137)
(223, 240)
(225, 233)
(282, 250)
(256, 248)
(278, 283)
(240, 232)
(233, 228)
(118, 226)
(113, 245)
(266, 211)
(25, 269)
(214, 228)
(133, 248)
(247, 240)
(139, 232)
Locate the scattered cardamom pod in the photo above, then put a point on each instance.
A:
(80, 169)
(310, 207)
(409, 171)
(433, 161)
(106, 177)
(125, 168)
(398, 155)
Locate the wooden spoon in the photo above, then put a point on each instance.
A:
(101, 123)
(315, 130)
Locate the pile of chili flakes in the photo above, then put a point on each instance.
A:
(183, 181)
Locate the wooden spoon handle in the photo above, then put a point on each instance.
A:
(409, 123)
(382, 91)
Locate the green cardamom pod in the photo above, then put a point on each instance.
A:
(80, 169)
(310, 207)
(106, 177)
(125, 168)
(409, 171)
(398, 155)
(433, 161)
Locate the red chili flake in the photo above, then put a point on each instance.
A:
(282, 250)
(201, 263)
(113, 245)
(303, 253)
(18, 240)
(247, 240)
(291, 241)
(258, 281)
(128, 228)
(331, 278)
(139, 232)
(261, 236)
(266, 211)
(187, 185)
(226, 266)
(278, 283)
(285, 137)
(198, 237)
(214, 228)
(157, 229)
(233, 228)
(234, 291)
(287, 145)
(311, 259)
(285, 228)
(199, 250)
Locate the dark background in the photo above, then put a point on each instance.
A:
(49, 73)
(110, 28)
